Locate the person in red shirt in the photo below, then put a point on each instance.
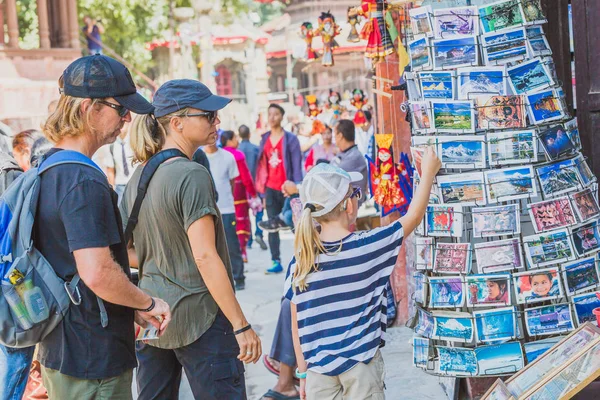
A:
(279, 160)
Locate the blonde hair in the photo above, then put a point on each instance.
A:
(67, 120)
(148, 134)
(308, 244)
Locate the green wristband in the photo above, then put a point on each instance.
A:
(300, 375)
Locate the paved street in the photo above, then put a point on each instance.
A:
(260, 302)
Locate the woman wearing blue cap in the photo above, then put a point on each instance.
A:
(182, 252)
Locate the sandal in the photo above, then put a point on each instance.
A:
(271, 394)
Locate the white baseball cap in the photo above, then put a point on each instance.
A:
(326, 186)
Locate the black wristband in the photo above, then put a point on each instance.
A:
(151, 306)
(244, 329)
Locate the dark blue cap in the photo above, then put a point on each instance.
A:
(181, 93)
(99, 76)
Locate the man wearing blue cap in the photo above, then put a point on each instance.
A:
(78, 229)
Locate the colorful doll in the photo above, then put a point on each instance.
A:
(353, 20)
(359, 100)
(328, 30)
(306, 32)
(334, 103)
(385, 177)
(313, 107)
(375, 31)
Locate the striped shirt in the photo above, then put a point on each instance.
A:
(342, 314)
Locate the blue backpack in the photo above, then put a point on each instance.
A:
(34, 300)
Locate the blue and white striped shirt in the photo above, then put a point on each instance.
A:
(342, 314)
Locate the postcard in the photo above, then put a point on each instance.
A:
(501, 15)
(411, 85)
(532, 12)
(447, 292)
(454, 53)
(495, 325)
(551, 214)
(537, 285)
(437, 85)
(420, 21)
(424, 259)
(456, 116)
(444, 220)
(452, 258)
(548, 320)
(584, 304)
(585, 173)
(548, 248)
(453, 326)
(585, 205)
(505, 358)
(500, 48)
(457, 361)
(538, 44)
(496, 221)
(510, 184)
(500, 112)
(516, 147)
(586, 238)
(466, 151)
(545, 106)
(498, 391)
(573, 132)
(420, 287)
(558, 178)
(580, 275)
(529, 76)
(421, 116)
(481, 80)
(535, 349)
(488, 290)
(465, 189)
(501, 255)
(455, 22)
(425, 324)
(419, 54)
(420, 352)
(556, 142)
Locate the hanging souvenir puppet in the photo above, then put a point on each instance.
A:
(313, 112)
(328, 30)
(353, 20)
(385, 177)
(334, 103)
(306, 32)
(358, 101)
(375, 31)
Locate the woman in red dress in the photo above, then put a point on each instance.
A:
(242, 191)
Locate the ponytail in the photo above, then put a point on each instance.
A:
(307, 245)
(148, 134)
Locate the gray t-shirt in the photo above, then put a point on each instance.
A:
(223, 168)
(351, 160)
(180, 193)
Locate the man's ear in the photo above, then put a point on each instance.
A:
(85, 105)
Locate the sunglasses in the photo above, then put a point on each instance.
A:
(210, 115)
(356, 193)
(122, 111)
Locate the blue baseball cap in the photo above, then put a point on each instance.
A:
(181, 93)
(99, 76)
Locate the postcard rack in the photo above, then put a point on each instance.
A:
(506, 257)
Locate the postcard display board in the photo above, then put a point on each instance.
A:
(506, 257)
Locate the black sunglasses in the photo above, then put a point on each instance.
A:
(210, 115)
(122, 111)
(357, 192)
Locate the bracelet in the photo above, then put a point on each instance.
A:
(244, 329)
(300, 375)
(151, 306)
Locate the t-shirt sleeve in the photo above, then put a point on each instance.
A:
(196, 196)
(288, 292)
(88, 216)
(234, 172)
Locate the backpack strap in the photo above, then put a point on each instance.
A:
(149, 169)
(73, 157)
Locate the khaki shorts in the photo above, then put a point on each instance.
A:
(65, 387)
(362, 382)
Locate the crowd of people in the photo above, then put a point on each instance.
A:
(154, 233)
